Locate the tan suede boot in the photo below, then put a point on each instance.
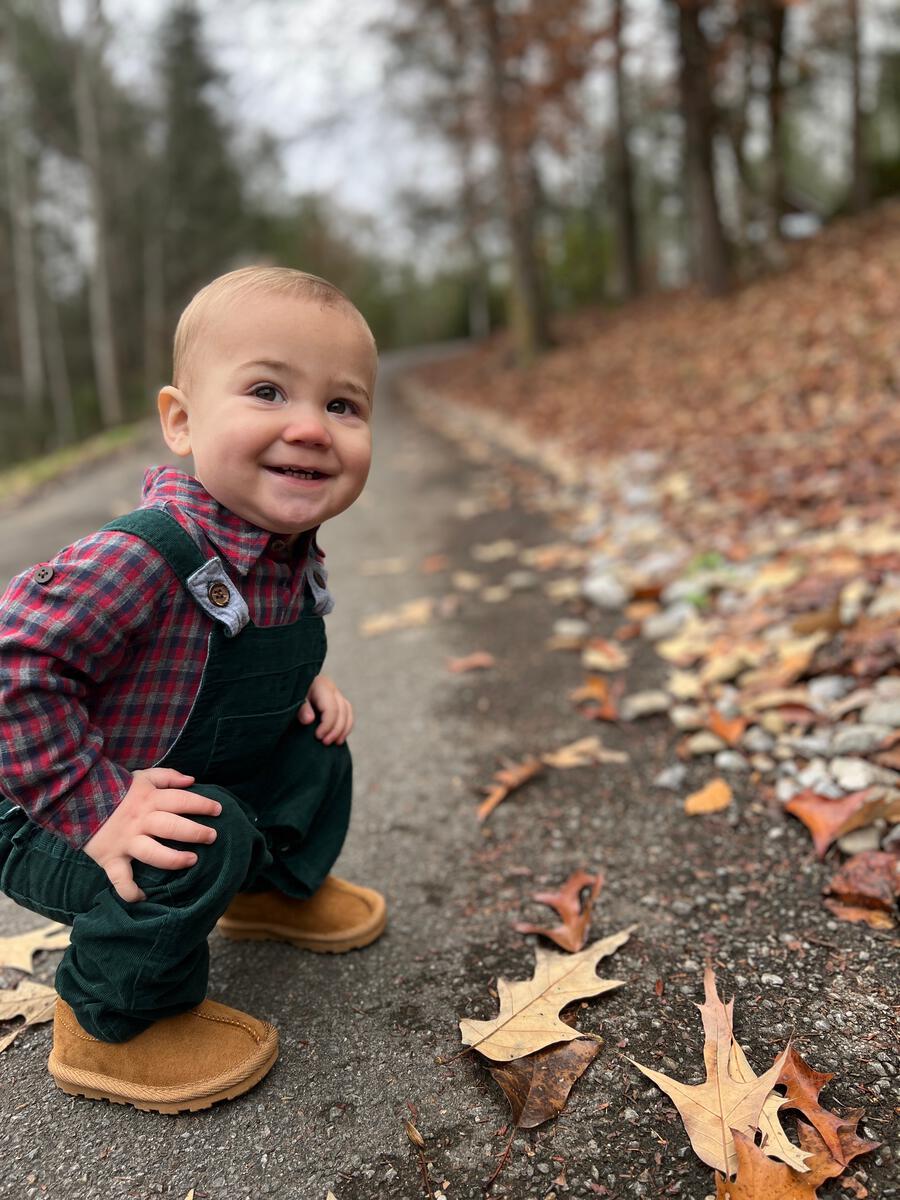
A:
(179, 1064)
(339, 916)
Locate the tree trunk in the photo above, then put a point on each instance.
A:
(711, 256)
(64, 426)
(155, 358)
(528, 311)
(25, 266)
(626, 213)
(102, 331)
(777, 20)
(859, 186)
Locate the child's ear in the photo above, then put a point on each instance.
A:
(173, 416)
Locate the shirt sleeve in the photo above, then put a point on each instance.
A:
(64, 628)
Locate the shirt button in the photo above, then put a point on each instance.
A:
(219, 594)
(277, 544)
(320, 582)
(43, 574)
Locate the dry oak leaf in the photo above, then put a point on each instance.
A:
(19, 950)
(600, 654)
(586, 752)
(803, 1085)
(822, 1165)
(715, 797)
(537, 1086)
(873, 917)
(828, 819)
(775, 1143)
(30, 1000)
(407, 616)
(506, 780)
(528, 1019)
(870, 879)
(566, 901)
(711, 1110)
(729, 730)
(478, 660)
(758, 1178)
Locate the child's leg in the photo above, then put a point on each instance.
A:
(302, 801)
(129, 965)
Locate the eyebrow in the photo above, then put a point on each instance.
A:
(275, 364)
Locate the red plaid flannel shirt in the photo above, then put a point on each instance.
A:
(100, 665)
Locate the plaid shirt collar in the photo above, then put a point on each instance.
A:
(239, 541)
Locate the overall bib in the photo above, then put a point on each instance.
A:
(285, 810)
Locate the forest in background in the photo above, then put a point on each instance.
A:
(595, 149)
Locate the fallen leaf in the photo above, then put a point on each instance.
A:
(730, 730)
(821, 1162)
(478, 660)
(538, 1086)
(507, 780)
(711, 1110)
(595, 687)
(528, 1019)
(465, 581)
(775, 1142)
(30, 1000)
(584, 753)
(489, 552)
(828, 819)
(434, 563)
(873, 917)
(715, 797)
(18, 951)
(383, 566)
(415, 1136)
(566, 901)
(870, 879)
(602, 655)
(758, 1178)
(407, 616)
(803, 1085)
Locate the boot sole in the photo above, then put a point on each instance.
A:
(239, 931)
(81, 1086)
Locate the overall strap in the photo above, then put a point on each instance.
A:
(204, 579)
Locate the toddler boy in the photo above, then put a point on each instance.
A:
(171, 756)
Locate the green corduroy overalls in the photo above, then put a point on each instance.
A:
(285, 810)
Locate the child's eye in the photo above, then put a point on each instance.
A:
(267, 391)
(343, 406)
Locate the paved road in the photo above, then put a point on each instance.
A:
(361, 1033)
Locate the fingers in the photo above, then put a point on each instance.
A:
(336, 723)
(154, 854)
(173, 800)
(306, 713)
(165, 777)
(118, 872)
(177, 829)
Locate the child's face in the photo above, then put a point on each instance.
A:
(278, 383)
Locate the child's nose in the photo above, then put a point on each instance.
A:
(306, 425)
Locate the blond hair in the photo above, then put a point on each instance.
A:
(284, 281)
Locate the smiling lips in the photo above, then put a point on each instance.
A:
(298, 472)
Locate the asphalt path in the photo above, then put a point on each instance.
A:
(361, 1033)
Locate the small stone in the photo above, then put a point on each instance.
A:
(859, 840)
(786, 789)
(887, 687)
(672, 778)
(496, 594)
(667, 623)
(645, 704)
(757, 740)
(862, 738)
(571, 627)
(630, 1115)
(704, 742)
(809, 745)
(605, 591)
(686, 717)
(730, 760)
(521, 581)
(817, 778)
(825, 688)
(772, 980)
(681, 908)
(762, 763)
(883, 712)
(854, 774)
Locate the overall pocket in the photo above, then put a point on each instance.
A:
(242, 744)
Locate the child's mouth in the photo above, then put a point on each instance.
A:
(297, 473)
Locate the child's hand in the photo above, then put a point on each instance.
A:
(149, 810)
(333, 706)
